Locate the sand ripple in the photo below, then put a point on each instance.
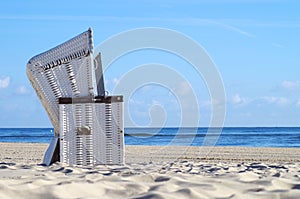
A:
(225, 173)
(181, 179)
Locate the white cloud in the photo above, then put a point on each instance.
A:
(290, 85)
(277, 45)
(185, 95)
(298, 103)
(237, 99)
(4, 82)
(183, 89)
(276, 100)
(22, 90)
(281, 101)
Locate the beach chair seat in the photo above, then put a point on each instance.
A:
(91, 130)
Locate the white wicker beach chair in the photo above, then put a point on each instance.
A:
(64, 71)
(66, 80)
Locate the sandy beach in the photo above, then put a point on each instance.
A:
(155, 172)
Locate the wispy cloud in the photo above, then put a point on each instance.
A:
(277, 45)
(235, 29)
(298, 103)
(290, 85)
(4, 82)
(277, 100)
(238, 100)
(262, 23)
(186, 21)
(183, 89)
(22, 90)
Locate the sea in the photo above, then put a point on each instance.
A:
(228, 136)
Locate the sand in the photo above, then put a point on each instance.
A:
(155, 172)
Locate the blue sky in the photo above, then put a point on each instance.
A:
(254, 44)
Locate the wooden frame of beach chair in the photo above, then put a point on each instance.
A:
(68, 71)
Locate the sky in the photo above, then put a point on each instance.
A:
(254, 45)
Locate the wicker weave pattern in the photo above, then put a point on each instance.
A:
(79, 46)
(64, 71)
(104, 144)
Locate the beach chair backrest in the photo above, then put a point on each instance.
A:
(64, 71)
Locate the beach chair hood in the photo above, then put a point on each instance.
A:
(63, 71)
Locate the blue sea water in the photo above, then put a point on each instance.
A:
(237, 136)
